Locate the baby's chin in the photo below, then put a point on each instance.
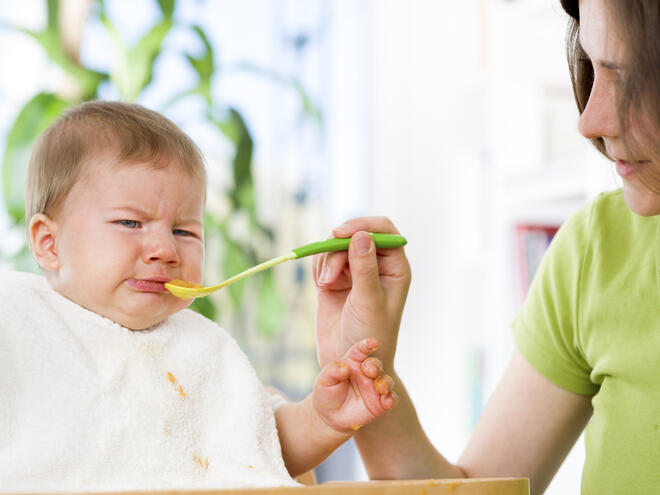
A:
(137, 325)
(134, 311)
(139, 321)
(144, 320)
(136, 320)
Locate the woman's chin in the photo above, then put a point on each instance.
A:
(640, 200)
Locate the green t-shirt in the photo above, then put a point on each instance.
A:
(591, 324)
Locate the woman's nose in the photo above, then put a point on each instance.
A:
(161, 247)
(600, 117)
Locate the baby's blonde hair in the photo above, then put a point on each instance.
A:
(127, 133)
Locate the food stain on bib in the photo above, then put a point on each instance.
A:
(202, 462)
(179, 388)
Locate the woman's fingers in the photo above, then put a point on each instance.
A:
(370, 224)
(329, 267)
(392, 263)
(364, 266)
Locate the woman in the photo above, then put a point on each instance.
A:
(588, 335)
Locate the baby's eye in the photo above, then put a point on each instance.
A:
(181, 232)
(131, 224)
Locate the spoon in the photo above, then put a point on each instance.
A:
(185, 291)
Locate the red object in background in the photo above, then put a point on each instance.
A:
(533, 241)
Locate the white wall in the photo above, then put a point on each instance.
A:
(473, 129)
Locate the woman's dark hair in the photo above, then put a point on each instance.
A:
(638, 26)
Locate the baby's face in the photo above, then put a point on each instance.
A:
(122, 232)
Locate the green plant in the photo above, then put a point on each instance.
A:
(132, 73)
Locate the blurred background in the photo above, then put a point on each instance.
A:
(454, 119)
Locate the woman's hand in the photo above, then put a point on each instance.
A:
(361, 293)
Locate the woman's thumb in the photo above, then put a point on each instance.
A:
(363, 265)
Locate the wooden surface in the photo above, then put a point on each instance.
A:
(499, 486)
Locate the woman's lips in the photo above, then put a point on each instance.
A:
(147, 285)
(627, 169)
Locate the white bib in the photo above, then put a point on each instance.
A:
(88, 405)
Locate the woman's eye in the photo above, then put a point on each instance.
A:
(131, 224)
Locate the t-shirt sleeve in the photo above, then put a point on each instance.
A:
(546, 330)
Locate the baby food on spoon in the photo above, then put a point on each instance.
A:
(184, 283)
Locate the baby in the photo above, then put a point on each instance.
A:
(107, 382)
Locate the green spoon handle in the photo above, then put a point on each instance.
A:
(382, 241)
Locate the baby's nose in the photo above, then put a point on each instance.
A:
(162, 249)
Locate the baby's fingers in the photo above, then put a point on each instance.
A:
(331, 386)
(388, 401)
(383, 385)
(372, 367)
(333, 374)
(360, 352)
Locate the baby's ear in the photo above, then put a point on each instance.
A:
(42, 231)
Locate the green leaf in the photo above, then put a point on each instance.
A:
(178, 97)
(235, 261)
(167, 7)
(271, 307)
(50, 41)
(205, 306)
(244, 198)
(53, 9)
(213, 225)
(233, 126)
(134, 69)
(31, 121)
(227, 125)
(204, 65)
(242, 162)
(203, 87)
(256, 224)
(309, 108)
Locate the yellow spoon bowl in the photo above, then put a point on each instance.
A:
(186, 290)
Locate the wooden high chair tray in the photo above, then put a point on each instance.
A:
(477, 486)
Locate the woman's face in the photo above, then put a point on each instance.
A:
(599, 119)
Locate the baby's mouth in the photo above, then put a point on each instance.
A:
(148, 284)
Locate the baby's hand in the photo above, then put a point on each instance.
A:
(353, 391)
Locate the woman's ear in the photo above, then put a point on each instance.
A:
(42, 231)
